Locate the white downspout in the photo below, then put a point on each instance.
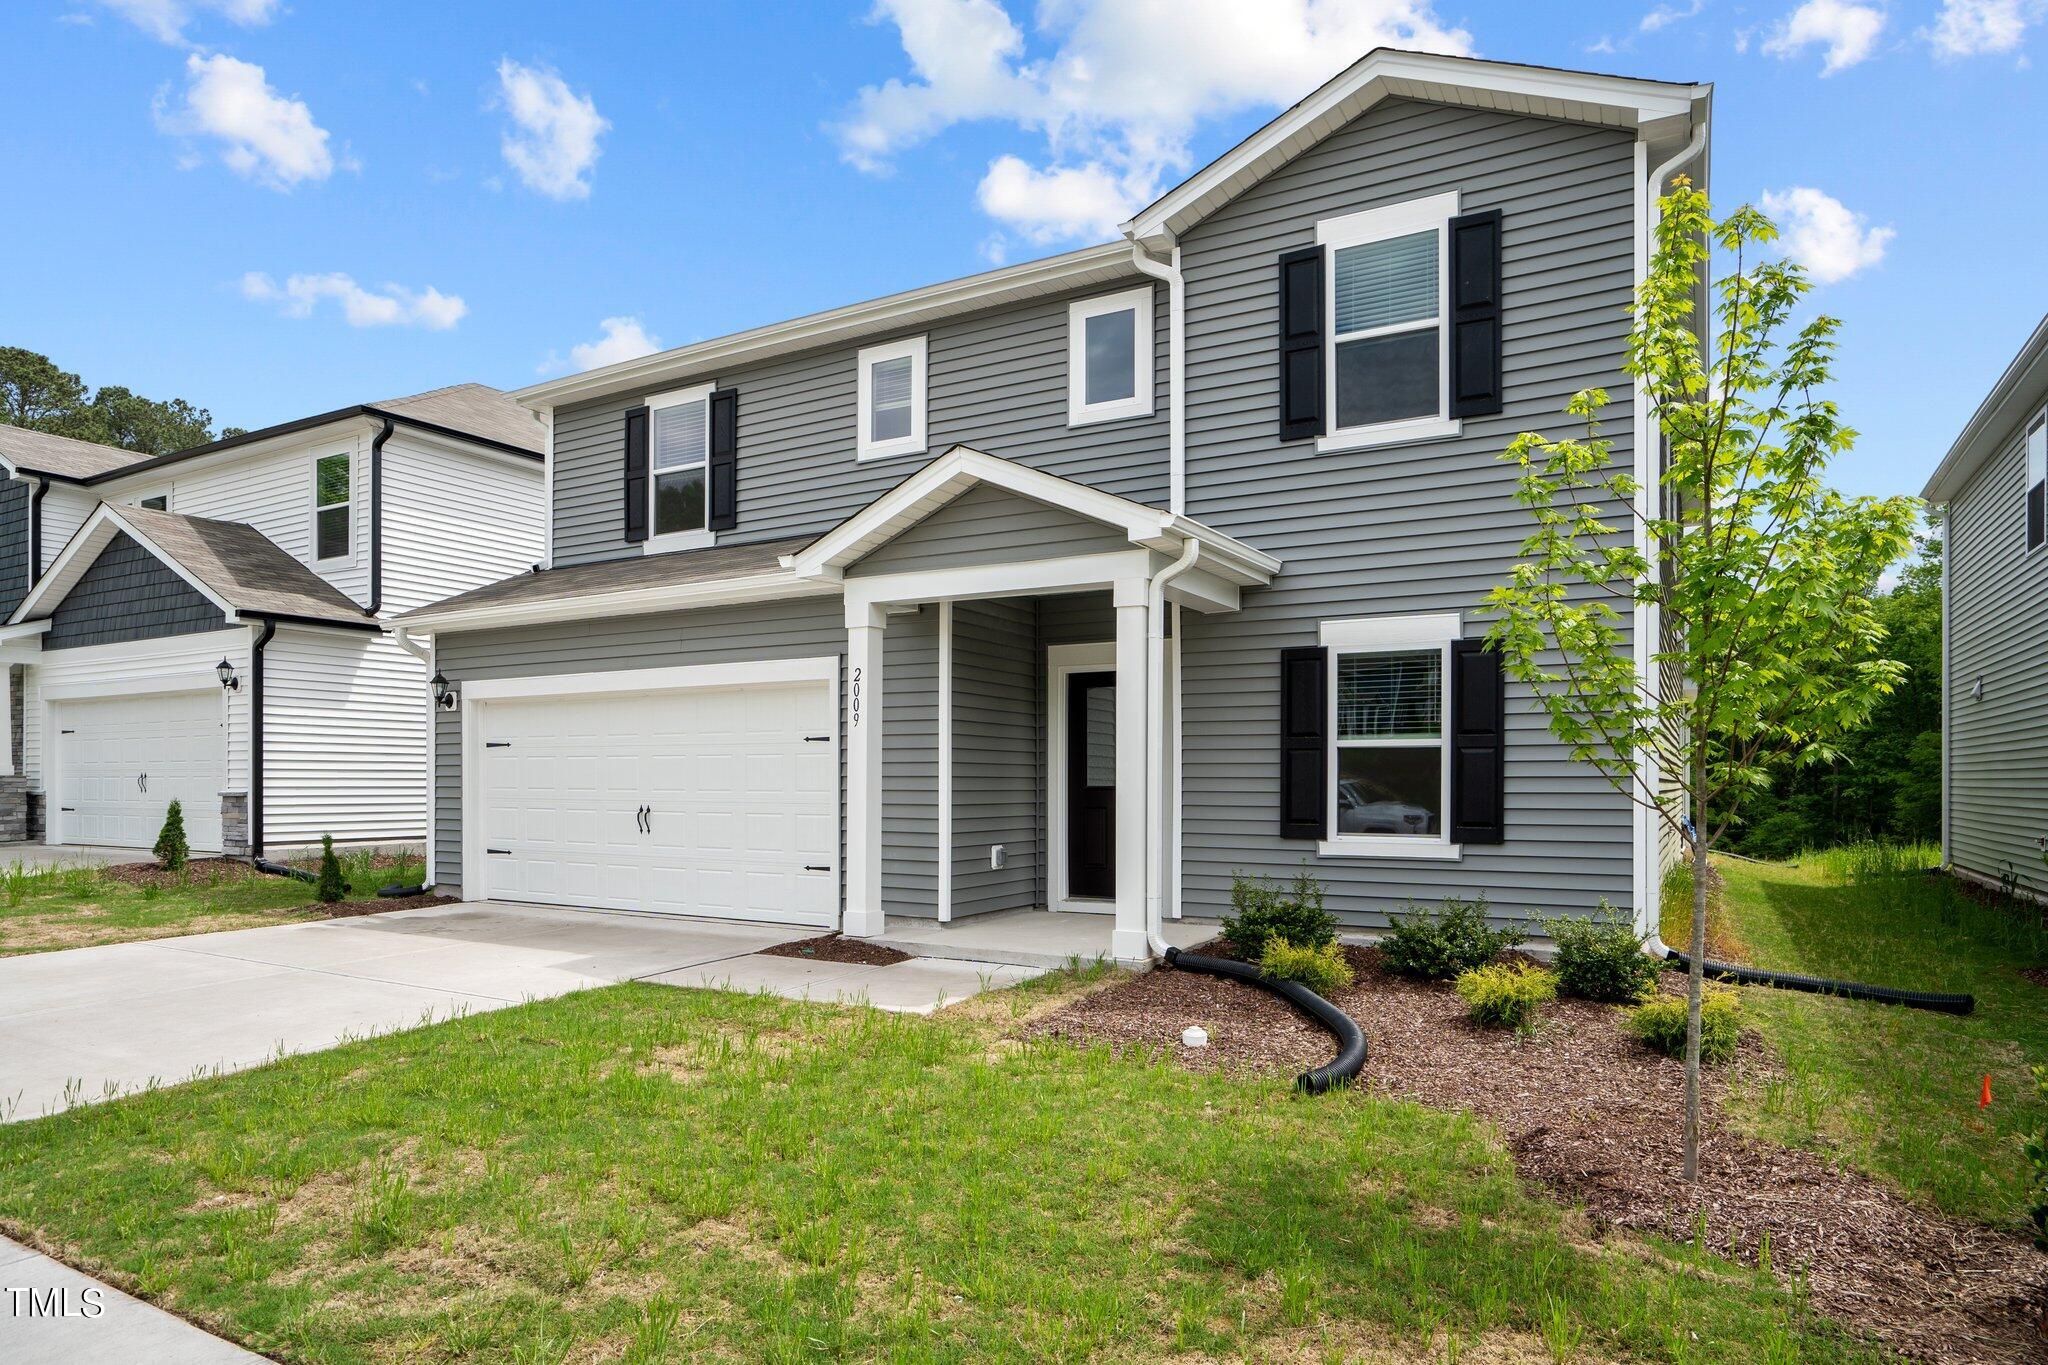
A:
(425, 654)
(1156, 870)
(1176, 372)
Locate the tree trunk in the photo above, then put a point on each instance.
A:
(1695, 980)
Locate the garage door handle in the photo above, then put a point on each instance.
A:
(505, 851)
(817, 739)
(817, 867)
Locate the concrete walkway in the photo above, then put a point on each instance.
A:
(36, 857)
(50, 1314)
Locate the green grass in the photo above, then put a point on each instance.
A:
(44, 909)
(1888, 1091)
(646, 1173)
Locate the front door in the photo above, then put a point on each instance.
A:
(1091, 785)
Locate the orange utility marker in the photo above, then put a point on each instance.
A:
(1984, 1096)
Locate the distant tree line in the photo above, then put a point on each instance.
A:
(1886, 781)
(36, 393)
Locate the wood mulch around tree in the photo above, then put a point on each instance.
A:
(1592, 1115)
(833, 948)
(196, 872)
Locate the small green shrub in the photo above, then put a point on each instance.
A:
(1320, 967)
(1602, 958)
(1437, 944)
(2037, 1156)
(1261, 910)
(1507, 994)
(332, 886)
(172, 852)
(1660, 1024)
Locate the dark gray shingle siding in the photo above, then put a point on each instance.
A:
(128, 594)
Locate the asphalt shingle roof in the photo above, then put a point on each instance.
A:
(623, 575)
(244, 567)
(39, 452)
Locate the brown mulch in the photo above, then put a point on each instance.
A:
(200, 870)
(2037, 975)
(352, 909)
(833, 948)
(1594, 1116)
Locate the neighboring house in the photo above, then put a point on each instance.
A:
(1089, 582)
(1994, 616)
(280, 554)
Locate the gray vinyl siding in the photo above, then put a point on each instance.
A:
(998, 779)
(991, 526)
(127, 593)
(1422, 528)
(799, 629)
(996, 381)
(910, 764)
(15, 579)
(1997, 745)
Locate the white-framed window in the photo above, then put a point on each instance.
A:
(678, 468)
(2036, 500)
(333, 507)
(1390, 736)
(892, 399)
(155, 502)
(1386, 320)
(1109, 357)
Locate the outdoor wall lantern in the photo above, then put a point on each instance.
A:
(225, 671)
(445, 695)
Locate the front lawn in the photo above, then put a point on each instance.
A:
(643, 1173)
(1893, 1092)
(79, 907)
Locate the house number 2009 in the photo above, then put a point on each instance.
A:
(853, 716)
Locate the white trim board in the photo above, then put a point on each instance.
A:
(744, 673)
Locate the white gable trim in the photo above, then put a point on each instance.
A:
(84, 547)
(962, 468)
(1656, 109)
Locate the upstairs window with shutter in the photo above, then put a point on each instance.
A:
(2037, 480)
(678, 450)
(891, 400)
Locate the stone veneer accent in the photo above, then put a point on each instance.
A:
(234, 824)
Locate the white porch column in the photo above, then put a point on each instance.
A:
(864, 645)
(1127, 943)
(945, 840)
(7, 718)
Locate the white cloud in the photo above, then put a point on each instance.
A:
(553, 143)
(623, 339)
(1118, 92)
(268, 137)
(1824, 235)
(1968, 28)
(390, 306)
(1848, 31)
(166, 20)
(1664, 16)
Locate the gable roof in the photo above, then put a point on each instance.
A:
(62, 457)
(1661, 111)
(2019, 392)
(237, 567)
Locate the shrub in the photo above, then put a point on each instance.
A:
(2037, 1155)
(172, 852)
(1780, 835)
(1261, 910)
(1506, 995)
(332, 886)
(1320, 967)
(1602, 958)
(1660, 1024)
(1438, 944)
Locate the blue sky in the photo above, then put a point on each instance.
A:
(275, 208)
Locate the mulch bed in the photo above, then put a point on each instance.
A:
(196, 871)
(833, 948)
(2037, 975)
(352, 909)
(1594, 1116)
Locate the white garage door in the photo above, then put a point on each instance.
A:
(121, 761)
(712, 801)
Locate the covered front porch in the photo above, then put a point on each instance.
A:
(1011, 710)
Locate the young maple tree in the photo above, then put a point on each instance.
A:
(1759, 576)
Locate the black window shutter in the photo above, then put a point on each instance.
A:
(1475, 314)
(636, 474)
(725, 460)
(1478, 745)
(2035, 526)
(1301, 344)
(1304, 742)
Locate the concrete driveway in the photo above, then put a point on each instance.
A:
(87, 1023)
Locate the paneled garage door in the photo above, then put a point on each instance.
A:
(121, 761)
(716, 801)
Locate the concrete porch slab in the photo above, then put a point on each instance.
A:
(1046, 939)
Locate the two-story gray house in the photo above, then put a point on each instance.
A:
(1994, 695)
(1084, 584)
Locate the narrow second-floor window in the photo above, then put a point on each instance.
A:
(1387, 366)
(2037, 480)
(679, 447)
(156, 502)
(331, 502)
(1109, 357)
(891, 399)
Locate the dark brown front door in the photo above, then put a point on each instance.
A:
(1091, 785)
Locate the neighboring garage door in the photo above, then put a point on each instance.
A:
(121, 761)
(720, 802)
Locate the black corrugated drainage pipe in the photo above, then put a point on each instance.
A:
(1937, 1001)
(297, 874)
(394, 892)
(1341, 1069)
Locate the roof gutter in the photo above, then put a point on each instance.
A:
(376, 602)
(1176, 370)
